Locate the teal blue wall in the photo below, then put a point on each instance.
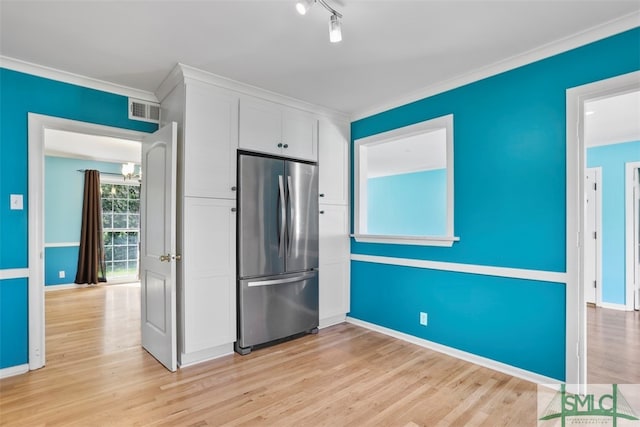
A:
(20, 94)
(14, 346)
(510, 211)
(462, 308)
(612, 159)
(63, 193)
(58, 259)
(408, 204)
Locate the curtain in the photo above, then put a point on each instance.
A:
(91, 264)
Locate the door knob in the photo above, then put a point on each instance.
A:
(321, 212)
(321, 194)
(166, 257)
(233, 209)
(286, 145)
(233, 188)
(177, 257)
(280, 145)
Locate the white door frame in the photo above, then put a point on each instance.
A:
(631, 244)
(576, 322)
(598, 227)
(37, 125)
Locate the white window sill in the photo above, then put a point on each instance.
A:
(446, 241)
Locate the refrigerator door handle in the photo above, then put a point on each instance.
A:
(298, 278)
(291, 215)
(283, 216)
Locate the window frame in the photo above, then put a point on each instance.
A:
(360, 184)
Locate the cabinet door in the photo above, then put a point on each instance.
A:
(333, 290)
(334, 261)
(334, 234)
(209, 291)
(210, 142)
(299, 134)
(333, 160)
(260, 126)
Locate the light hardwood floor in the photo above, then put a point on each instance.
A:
(97, 375)
(613, 346)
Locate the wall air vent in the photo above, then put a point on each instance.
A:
(144, 110)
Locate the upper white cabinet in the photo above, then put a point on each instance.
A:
(210, 141)
(333, 162)
(272, 128)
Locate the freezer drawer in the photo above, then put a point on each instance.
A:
(276, 307)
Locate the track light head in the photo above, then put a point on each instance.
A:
(303, 6)
(335, 29)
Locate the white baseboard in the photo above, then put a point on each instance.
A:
(188, 359)
(612, 306)
(333, 320)
(14, 370)
(459, 354)
(50, 288)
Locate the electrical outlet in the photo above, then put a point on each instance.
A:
(61, 274)
(16, 202)
(423, 318)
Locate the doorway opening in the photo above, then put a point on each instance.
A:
(579, 100)
(43, 131)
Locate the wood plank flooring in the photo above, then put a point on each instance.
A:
(97, 375)
(613, 346)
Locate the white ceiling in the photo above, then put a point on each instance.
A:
(390, 49)
(425, 151)
(612, 120)
(61, 143)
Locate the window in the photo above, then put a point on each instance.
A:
(404, 185)
(121, 229)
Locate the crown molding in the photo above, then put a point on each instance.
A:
(582, 38)
(75, 79)
(183, 73)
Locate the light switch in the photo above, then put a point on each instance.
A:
(16, 202)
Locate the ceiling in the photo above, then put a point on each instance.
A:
(612, 120)
(390, 49)
(421, 152)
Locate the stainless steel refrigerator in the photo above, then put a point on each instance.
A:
(277, 249)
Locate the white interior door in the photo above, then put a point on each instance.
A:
(158, 245)
(591, 259)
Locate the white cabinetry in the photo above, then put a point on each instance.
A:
(333, 159)
(209, 264)
(216, 117)
(210, 141)
(334, 245)
(207, 119)
(272, 128)
(334, 263)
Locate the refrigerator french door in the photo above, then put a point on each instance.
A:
(277, 249)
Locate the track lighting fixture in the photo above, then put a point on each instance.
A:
(303, 6)
(335, 30)
(335, 27)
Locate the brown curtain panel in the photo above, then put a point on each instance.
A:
(91, 265)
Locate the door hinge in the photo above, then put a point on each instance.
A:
(595, 186)
(578, 349)
(595, 234)
(595, 283)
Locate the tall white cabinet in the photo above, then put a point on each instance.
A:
(333, 190)
(215, 118)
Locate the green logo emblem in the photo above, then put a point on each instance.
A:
(567, 405)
